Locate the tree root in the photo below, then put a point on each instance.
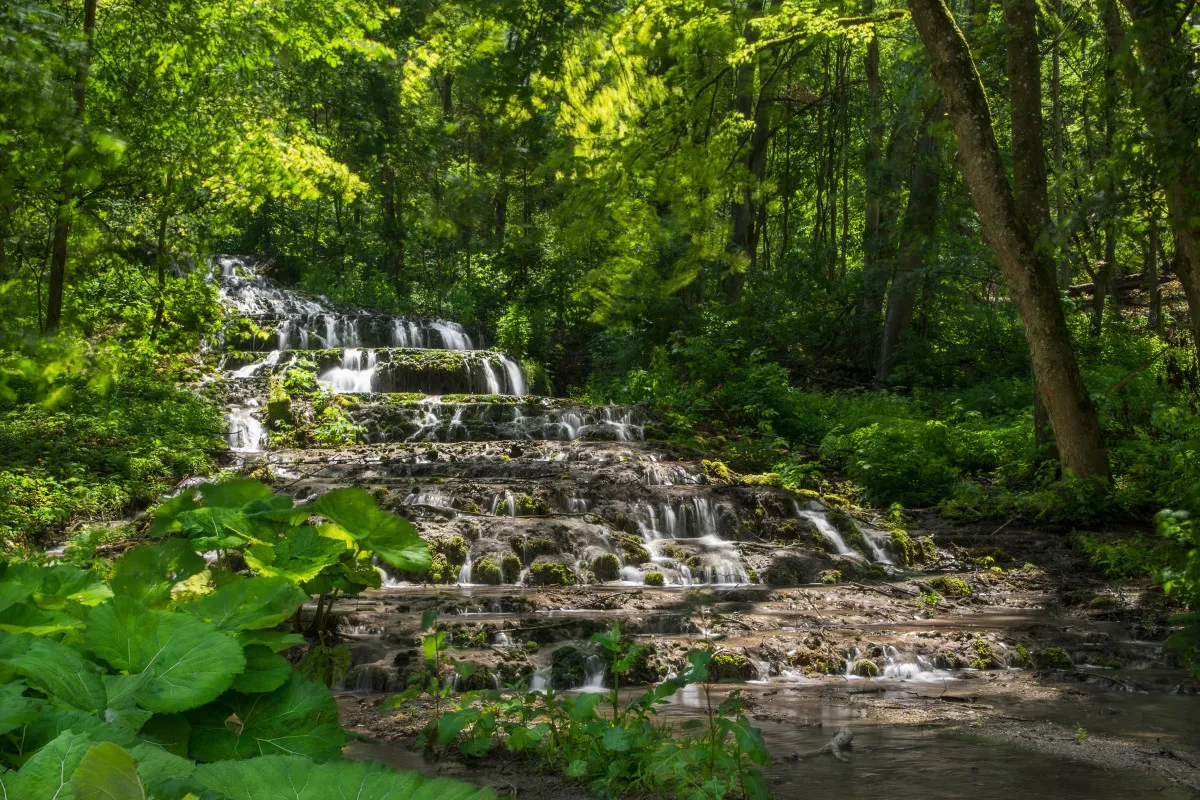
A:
(835, 747)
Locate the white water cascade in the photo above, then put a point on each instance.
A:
(355, 374)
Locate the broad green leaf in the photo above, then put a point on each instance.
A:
(53, 587)
(234, 493)
(248, 603)
(27, 618)
(160, 769)
(616, 739)
(107, 772)
(55, 669)
(298, 718)
(166, 515)
(394, 539)
(299, 556)
(585, 707)
(265, 671)
(15, 708)
(279, 508)
(171, 732)
(47, 773)
(276, 640)
(12, 592)
(215, 525)
(149, 572)
(122, 708)
(290, 778)
(186, 662)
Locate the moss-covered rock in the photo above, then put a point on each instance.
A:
(486, 570)
(865, 668)
(635, 553)
(654, 579)
(1051, 658)
(510, 567)
(528, 506)
(718, 472)
(732, 667)
(950, 585)
(550, 573)
(453, 549)
(606, 567)
(569, 667)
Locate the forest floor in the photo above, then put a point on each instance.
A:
(1119, 720)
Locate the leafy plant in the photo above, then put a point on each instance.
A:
(325, 547)
(623, 753)
(166, 681)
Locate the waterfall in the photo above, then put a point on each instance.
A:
(824, 527)
(464, 572)
(245, 431)
(514, 376)
(355, 374)
(453, 336)
(694, 524)
(250, 369)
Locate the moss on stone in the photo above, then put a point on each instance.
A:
(510, 567)
(1052, 658)
(551, 573)
(984, 659)
(654, 579)
(831, 576)
(950, 586)
(717, 471)
(528, 506)
(732, 667)
(486, 571)
(453, 549)
(865, 668)
(607, 567)
(765, 479)
(634, 551)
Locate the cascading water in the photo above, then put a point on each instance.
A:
(692, 525)
(825, 528)
(355, 375)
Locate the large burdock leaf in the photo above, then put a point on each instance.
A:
(234, 493)
(186, 662)
(47, 774)
(248, 604)
(28, 618)
(149, 572)
(394, 539)
(55, 669)
(298, 718)
(265, 671)
(15, 708)
(107, 772)
(290, 778)
(54, 587)
(299, 555)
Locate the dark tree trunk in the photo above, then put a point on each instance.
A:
(1029, 156)
(66, 190)
(743, 241)
(1028, 272)
(917, 237)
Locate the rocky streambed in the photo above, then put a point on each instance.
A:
(969, 661)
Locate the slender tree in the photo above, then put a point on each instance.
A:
(1028, 271)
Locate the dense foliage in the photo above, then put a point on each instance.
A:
(165, 679)
(620, 749)
(762, 219)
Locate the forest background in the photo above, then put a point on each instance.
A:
(787, 227)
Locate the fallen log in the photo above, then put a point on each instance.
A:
(1123, 283)
(835, 747)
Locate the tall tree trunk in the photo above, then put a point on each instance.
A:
(1164, 88)
(66, 190)
(1029, 156)
(394, 234)
(1028, 272)
(872, 229)
(743, 243)
(917, 237)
